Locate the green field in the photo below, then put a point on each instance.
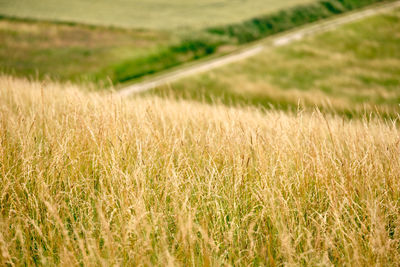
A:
(72, 52)
(33, 45)
(54, 39)
(352, 70)
(145, 14)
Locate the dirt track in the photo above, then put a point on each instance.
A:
(254, 50)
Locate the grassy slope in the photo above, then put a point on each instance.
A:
(75, 52)
(145, 14)
(353, 69)
(94, 180)
(96, 54)
(72, 52)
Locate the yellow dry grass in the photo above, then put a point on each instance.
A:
(95, 180)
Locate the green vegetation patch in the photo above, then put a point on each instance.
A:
(186, 50)
(352, 70)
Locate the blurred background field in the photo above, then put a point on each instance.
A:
(145, 14)
(71, 52)
(101, 54)
(107, 43)
(352, 70)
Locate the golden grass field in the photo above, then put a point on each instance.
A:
(92, 179)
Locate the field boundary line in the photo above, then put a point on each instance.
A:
(252, 50)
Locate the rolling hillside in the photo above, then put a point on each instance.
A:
(83, 41)
(352, 70)
(290, 158)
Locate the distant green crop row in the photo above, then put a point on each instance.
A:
(263, 26)
(187, 50)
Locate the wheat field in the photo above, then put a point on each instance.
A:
(91, 179)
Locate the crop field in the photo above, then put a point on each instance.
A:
(89, 179)
(354, 69)
(145, 14)
(110, 43)
(153, 41)
(72, 52)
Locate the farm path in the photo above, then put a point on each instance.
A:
(254, 49)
